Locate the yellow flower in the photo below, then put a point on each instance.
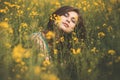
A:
(41, 55)
(76, 51)
(18, 60)
(57, 41)
(84, 8)
(95, 3)
(8, 45)
(3, 11)
(55, 18)
(20, 12)
(10, 30)
(23, 68)
(6, 19)
(84, 3)
(94, 50)
(4, 24)
(55, 51)
(50, 35)
(111, 52)
(49, 76)
(22, 63)
(75, 39)
(23, 25)
(109, 28)
(89, 70)
(18, 52)
(18, 76)
(37, 70)
(34, 13)
(57, 4)
(11, 5)
(104, 25)
(101, 34)
(46, 63)
(62, 39)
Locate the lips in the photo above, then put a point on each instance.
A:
(65, 24)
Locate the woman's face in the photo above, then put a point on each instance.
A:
(68, 21)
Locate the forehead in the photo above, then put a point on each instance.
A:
(73, 14)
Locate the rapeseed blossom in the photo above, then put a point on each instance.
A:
(111, 52)
(96, 4)
(46, 62)
(89, 70)
(49, 76)
(8, 45)
(101, 34)
(76, 51)
(55, 18)
(94, 50)
(55, 51)
(18, 76)
(4, 25)
(50, 35)
(3, 11)
(109, 28)
(62, 39)
(18, 52)
(11, 5)
(37, 70)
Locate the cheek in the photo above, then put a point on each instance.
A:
(62, 18)
(73, 26)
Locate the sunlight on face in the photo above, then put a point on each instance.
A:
(68, 21)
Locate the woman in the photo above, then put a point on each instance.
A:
(62, 23)
(55, 42)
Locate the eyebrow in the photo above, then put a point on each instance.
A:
(68, 13)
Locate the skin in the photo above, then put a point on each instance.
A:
(68, 21)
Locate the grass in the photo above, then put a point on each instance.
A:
(98, 60)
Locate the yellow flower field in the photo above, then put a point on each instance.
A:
(97, 58)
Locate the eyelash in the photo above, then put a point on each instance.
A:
(73, 21)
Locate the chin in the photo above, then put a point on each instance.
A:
(67, 31)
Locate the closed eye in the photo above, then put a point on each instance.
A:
(73, 20)
(66, 14)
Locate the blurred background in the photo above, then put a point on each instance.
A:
(100, 60)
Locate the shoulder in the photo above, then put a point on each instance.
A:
(38, 40)
(38, 36)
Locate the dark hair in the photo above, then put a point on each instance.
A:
(80, 29)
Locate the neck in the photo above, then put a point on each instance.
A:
(59, 33)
